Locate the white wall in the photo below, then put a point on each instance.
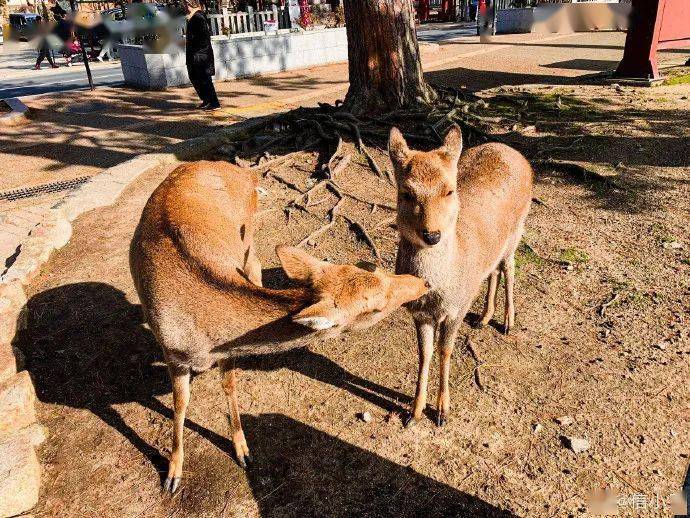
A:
(240, 55)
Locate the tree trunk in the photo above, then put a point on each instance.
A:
(384, 64)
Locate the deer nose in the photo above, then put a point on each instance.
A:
(431, 238)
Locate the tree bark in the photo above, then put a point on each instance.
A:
(384, 63)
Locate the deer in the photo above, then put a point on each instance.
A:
(195, 269)
(460, 218)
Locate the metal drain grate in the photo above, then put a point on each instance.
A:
(46, 188)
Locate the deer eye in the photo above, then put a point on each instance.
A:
(449, 193)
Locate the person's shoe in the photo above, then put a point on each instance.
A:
(202, 106)
(99, 58)
(211, 107)
(54, 66)
(37, 67)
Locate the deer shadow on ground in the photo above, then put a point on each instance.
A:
(315, 474)
(86, 347)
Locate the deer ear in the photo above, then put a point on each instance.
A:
(318, 316)
(299, 265)
(397, 149)
(452, 145)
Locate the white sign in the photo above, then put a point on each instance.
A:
(270, 25)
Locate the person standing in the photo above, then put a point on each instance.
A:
(44, 50)
(199, 55)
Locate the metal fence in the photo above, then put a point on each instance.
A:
(226, 23)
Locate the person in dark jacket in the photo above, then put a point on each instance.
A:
(200, 55)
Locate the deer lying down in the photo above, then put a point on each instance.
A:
(193, 263)
(460, 221)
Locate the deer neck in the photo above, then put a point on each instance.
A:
(263, 322)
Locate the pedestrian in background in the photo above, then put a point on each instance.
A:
(64, 30)
(44, 50)
(199, 55)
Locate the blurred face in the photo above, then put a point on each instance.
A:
(349, 297)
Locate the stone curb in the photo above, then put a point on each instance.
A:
(18, 115)
(19, 433)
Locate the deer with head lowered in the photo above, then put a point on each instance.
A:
(199, 281)
(460, 220)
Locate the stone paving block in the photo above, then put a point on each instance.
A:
(23, 218)
(12, 301)
(35, 434)
(55, 229)
(11, 228)
(32, 255)
(91, 196)
(131, 169)
(8, 246)
(17, 403)
(8, 362)
(20, 476)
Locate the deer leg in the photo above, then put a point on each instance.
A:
(490, 304)
(180, 377)
(425, 344)
(449, 332)
(229, 382)
(508, 267)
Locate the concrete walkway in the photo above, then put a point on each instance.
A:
(74, 135)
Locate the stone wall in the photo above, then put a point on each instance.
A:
(240, 55)
(20, 473)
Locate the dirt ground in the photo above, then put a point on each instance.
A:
(603, 304)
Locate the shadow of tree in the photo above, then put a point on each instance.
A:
(576, 138)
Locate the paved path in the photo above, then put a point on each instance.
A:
(433, 33)
(19, 79)
(60, 80)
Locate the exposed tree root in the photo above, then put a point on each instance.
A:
(310, 238)
(374, 165)
(477, 364)
(342, 165)
(284, 160)
(421, 124)
(316, 129)
(605, 305)
(284, 181)
(363, 235)
(334, 210)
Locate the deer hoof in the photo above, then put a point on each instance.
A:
(171, 485)
(441, 420)
(481, 323)
(244, 460)
(409, 420)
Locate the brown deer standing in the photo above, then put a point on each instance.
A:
(460, 221)
(199, 281)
